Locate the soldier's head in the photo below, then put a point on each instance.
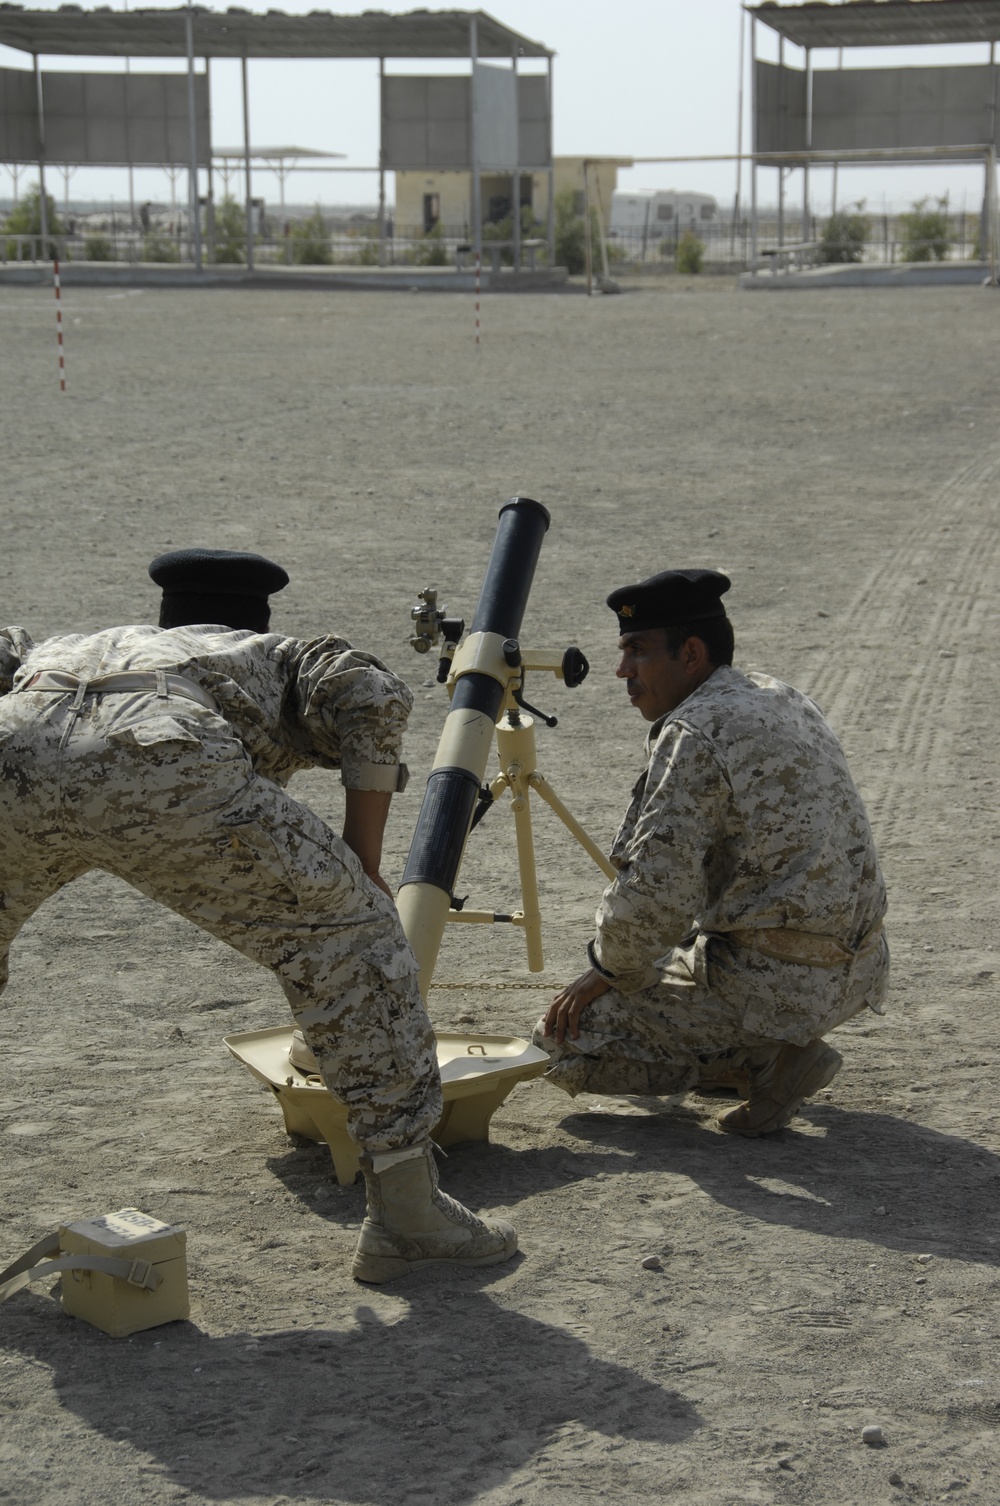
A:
(216, 586)
(674, 634)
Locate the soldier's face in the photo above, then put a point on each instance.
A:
(656, 680)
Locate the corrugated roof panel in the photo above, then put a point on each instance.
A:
(883, 23)
(74, 32)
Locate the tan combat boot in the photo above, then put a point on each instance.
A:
(779, 1085)
(412, 1223)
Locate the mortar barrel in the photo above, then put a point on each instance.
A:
(460, 763)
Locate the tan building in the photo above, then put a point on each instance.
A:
(425, 199)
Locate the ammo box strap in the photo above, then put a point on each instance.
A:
(23, 1271)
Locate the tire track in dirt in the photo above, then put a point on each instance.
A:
(908, 667)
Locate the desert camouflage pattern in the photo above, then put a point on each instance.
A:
(168, 796)
(746, 817)
(293, 704)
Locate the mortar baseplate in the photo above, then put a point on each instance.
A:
(477, 1074)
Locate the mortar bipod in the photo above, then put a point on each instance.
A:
(514, 734)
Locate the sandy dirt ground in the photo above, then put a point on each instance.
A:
(838, 454)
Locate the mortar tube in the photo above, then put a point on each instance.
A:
(445, 818)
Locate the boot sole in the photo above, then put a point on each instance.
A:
(378, 1268)
(819, 1074)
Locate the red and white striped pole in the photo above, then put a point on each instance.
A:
(479, 269)
(59, 338)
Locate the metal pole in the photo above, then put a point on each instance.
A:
(477, 187)
(43, 206)
(128, 143)
(985, 220)
(809, 141)
(833, 203)
(754, 230)
(588, 253)
(210, 195)
(739, 143)
(248, 208)
(381, 162)
(193, 208)
(551, 228)
(517, 173)
(781, 140)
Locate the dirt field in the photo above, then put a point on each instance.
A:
(836, 453)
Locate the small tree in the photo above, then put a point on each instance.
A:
(845, 234)
(570, 247)
(311, 243)
(159, 247)
(26, 219)
(432, 251)
(690, 252)
(230, 231)
(926, 236)
(98, 248)
(503, 230)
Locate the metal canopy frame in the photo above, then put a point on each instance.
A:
(194, 31)
(870, 23)
(882, 23)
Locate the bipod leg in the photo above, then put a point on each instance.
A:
(516, 748)
(539, 783)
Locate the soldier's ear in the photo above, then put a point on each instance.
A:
(694, 656)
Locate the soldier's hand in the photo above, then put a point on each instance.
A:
(380, 882)
(564, 1012)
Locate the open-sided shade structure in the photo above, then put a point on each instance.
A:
(495, 107)
(802, 115)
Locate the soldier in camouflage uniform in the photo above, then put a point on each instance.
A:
(160, 755)
(745, 921)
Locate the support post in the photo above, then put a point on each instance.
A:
(781, 141)
(754, 229)
(806, 236)
(517, 174)
(588, 250)
(833, 200)
(193, 207)
(248, 183)
(477, 186)
(381, 162)
(739, 147)
(551, 229)
(43, 206)
(987, 227)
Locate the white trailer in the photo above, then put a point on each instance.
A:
(652, 213)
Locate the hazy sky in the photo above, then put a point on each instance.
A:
(634, 77)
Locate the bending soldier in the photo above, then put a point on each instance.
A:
(745, 921)
(160, 755)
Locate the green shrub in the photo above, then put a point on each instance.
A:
(311, 243)
(159, 247)
(98, 248)
(26, 219)
(503, 230)
(230, 233)
(690, 252)
(367, 252)
(570, 248)
(926, 236)
(432, 251)
(845, 234)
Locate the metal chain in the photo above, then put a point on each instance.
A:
(497, 987)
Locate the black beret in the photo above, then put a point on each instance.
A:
(217, 572)
(670, 598)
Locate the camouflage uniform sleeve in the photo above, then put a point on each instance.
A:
(352, 712)
(15, 645)
(661, 887)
